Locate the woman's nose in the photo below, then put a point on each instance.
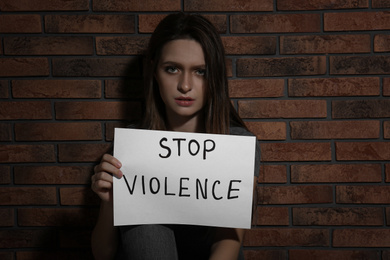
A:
(185, 83)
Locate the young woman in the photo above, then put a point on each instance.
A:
(186, 90)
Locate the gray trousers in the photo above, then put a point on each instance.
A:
(166, 242)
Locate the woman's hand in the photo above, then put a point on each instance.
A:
(104, 240)
(102, 181)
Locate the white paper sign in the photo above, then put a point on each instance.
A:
(183, 178)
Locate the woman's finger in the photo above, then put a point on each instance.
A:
(101, 186)
(103, 189)
(112, 160)
(109, 167)
(102, 176)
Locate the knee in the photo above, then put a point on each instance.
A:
(141, 230)
(146, 233)
(148, 242)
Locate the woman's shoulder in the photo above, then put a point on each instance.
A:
(239, 130)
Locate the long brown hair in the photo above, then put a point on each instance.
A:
(219, 113)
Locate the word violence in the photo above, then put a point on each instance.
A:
(185, 187)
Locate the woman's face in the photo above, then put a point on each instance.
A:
(180, 75)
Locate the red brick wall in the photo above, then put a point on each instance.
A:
(311, 79)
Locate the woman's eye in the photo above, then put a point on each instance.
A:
(171, 69)
(201, 72)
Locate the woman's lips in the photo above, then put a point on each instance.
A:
(184, 101)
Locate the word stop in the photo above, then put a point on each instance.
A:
(192, 146)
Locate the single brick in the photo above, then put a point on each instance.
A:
(25, 110)
(24, 196)
(363, 151)
(324, 173)
(110, 128)
(299, 254)
(337, 216)
(61, 217)
(380, 3)
(28, 238)
(18, 153)
(5, 132)
(387, 216)
(44, 5)
(82, 152)
(58, 131)
(282, 108)
(369, 108)
(53, 174)
(312, 194)
(366, 238)
(386, 86)
(272, 216)
(299, 152)
(136, 5)
(382, 43)
(357, 65)
(282, 237)
(227, 6)
(20, 23)
(286, 66)
(56, 88)
(124, 88)
(268, 130)
(387, 167)
(5, 174)
(6, 217)
(4, 92)
(121, 45)
(302, 130)
(148, 22)
(325, 44)
(244, 88)
(90, 23)
(98, 110)
(272, 174)
(275, 23)
(257, 45)
(54, 45)
(96, 67)
(367, 194)
(386, 129)
(288, 5)
(19, 67)
(334, 87)
(356, 21)
(78, 196)
(256, 254)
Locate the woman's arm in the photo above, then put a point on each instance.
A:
(104, 240)
(227, 244)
